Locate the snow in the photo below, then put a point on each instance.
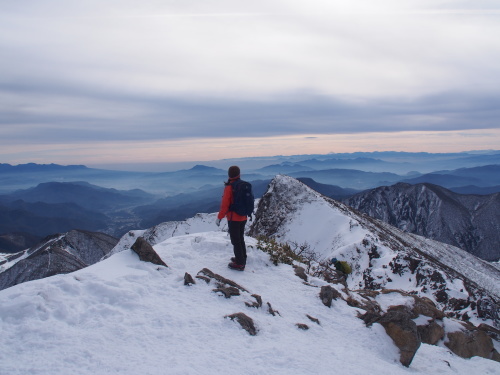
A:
(124, 316)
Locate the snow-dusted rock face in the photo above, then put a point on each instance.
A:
(381, 256)
(62, 253)
(470, 222)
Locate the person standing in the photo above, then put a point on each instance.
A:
(236, 223)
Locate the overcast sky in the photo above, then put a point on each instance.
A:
(94, 82)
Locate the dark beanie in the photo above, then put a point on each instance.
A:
(233, 171)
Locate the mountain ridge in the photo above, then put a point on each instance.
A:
(470, 222)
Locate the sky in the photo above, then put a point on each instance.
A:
(166, 81)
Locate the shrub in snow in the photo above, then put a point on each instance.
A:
(278, 252)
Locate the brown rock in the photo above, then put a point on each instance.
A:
(228, 291)
(468, 343)
(204, 278)
(403, 331)
(327, 294)
(188, 279)
(424, 306)
(245, 322)
(146, 252)
(271, 311)
(431, 333)
(257, 303)
(206, 272)
(315, 320)
(300, 272)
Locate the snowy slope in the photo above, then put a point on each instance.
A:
(382, 256)
(124, 316)
(197, 224)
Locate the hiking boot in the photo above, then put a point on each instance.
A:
(236, 266)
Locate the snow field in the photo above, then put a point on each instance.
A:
(124, 316)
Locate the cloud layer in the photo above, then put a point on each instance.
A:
(164, 70)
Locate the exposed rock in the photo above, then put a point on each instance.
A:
(204, 278)
(146, 252)
(369, 317)
(300, 272)
(257, 303)
(245, 322)
(327, 294)
(228, 291)
(221, 279)
(302, 326)
(424, 306)
(431, 333)
(470, 342)
(491, 331)
(403, 331)
(315, 320)
(271, 311)
(188, 279)
(365, 303)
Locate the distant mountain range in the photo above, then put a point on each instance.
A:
(55, 207)
(40, 200)
(470, 222)
(355, 171)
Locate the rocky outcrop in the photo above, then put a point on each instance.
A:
(470, 341)
(188, 279)
(400, 327)
(300, 272)
(146, 252)
(245, 322)
(328, 294)
(221, 279)
(431, 333)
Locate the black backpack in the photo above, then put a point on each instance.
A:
(243, 199)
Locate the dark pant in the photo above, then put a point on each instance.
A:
(237, 235)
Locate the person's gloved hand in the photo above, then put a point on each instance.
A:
(217, 222)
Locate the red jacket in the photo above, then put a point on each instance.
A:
(227, 200)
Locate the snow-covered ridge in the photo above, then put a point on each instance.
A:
(381, 255)
(125, 316)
